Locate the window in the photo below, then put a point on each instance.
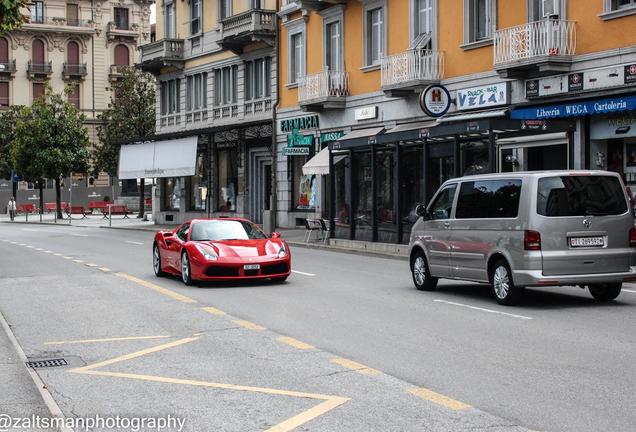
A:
(182, 233)
(258, 81)
(297, 58)
(443, 204)
(4, 93)
(305, 187)
(225, 7)
(121, 18)
(171, 193)
(225, 230)
(333, 46)
(38, 90)
(541, 9)
(227, 172)
(74, 96)
(4, 51)
(489, 199)
(72, 14)
(411, 187)
(196, 92)
(621, 4)
(122, 55)
(197, 185)
(374, 35)
(385, 214)
(363, 196)
(37, 52)
(423, 17)
(580, 196)
(195, 16)
(226, 85)
(37, 12)
(257, 4)
(170, 25)
(170, 94)
(480, 16)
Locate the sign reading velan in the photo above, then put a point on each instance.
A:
(482, 97)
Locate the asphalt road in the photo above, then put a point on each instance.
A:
(346, 343)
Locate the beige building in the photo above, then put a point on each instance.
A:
(73, 41)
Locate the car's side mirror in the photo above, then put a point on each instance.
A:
(275, 235)
(421, 211)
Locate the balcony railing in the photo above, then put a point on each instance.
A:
(257, 106)
(323, 86)
(158, 54)
(225, 111)
(7, 67)
(247, 27)
(412, 66)
(39, 68)
(117, 71)
(74, 70)
(60, 21)
(535, 40)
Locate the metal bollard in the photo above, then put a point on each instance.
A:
(110, 216)
(27, 215)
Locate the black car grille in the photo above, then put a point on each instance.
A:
(275, 269)
(217, 271)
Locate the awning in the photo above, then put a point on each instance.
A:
(540, 140)
(407, 132)
(319, 164)
(577, 108)
(358, 137)
(473, 116)
(168, 158)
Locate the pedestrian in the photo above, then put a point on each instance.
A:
(11, 207)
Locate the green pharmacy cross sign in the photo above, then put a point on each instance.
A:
(296, 139)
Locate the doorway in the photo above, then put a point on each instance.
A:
(260, 175)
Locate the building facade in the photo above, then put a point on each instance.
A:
(216, 72)
(72, 42)
(405, 95)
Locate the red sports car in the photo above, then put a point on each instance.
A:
(220, 249)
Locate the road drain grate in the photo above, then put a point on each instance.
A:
(46, 363)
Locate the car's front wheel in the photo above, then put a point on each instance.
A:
(605, 292)
(503, 287)
(156, 261)
(186, 271)
(422, 278)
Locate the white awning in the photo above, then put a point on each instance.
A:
(319, 164)
(168, 158)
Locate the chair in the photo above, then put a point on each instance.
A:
(311, 225)
(324, 227)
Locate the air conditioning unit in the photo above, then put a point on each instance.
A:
(550, 8)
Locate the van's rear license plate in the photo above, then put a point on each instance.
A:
(251, 266)
(587, 242)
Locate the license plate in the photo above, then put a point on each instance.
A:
(251, 266)
(587, 242)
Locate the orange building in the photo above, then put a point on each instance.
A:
(408, 93)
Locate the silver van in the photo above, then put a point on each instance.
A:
(527, 229)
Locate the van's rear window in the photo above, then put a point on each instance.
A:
(580, 196)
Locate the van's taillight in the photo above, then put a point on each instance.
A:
(532, 240)
(632, 237)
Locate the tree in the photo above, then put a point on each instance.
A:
(130, 116)
(11, 16)
(50, 141)
(7, 138)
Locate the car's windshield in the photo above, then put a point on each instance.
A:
(225, 230)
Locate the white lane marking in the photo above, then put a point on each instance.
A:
(39, 249)
(58, 254)
(303, 273)
(133, 242)
(79, 235)
(484, 309)
(90, 265)
(629, 291)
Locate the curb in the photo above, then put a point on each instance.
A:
(61, 224)
(347, 250)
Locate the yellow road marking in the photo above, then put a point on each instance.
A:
(157, 288)
(79, 261)
(438, 399)
(249, 325)
(355, 366)
(90, 265)
(104, 340)
(105, 269)
(294, 342)
(213, 311)
(329, 402)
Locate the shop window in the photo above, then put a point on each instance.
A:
(198, 185)
(227, 178)
(342, 199)
(411, 187)
(385, 208)
(474, 158)
(305, 187)
(363, 195)
(489, 199)
(171, 194)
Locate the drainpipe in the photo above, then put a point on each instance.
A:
(93, 54)
(274, 203)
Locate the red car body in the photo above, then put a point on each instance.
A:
(235, 259)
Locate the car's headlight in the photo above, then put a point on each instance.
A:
(207, 252)
(282, 252)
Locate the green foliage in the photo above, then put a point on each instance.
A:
(131, 115)
(7, 138)
(50, 139)
(11, 16)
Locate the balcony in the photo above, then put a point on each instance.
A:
(160, 54)
(74, 71)
(120, 31)
(255, 107)
(535, 49)
(240, 30)
(290, 6)
(410, 71)
(59, 24)
(39, 69)
(324, 90)
(7, 68)
(117, 72)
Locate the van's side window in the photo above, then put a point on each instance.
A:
(488, 199)
(443, 204)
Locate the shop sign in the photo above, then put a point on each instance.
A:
(575, 82)
(534, 125)
(299, 123)
(296, 139)
(576, 109)
(622, 126)
(326, 137)
(366, 113)
(532, 88)
(296, 151)
(630, 74)
(482, 97)
(435, 100)
(425, 133)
